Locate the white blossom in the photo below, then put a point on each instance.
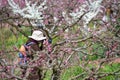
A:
(90, 8)
(55, 19)
(30, 11)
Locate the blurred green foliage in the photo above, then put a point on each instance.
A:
(77, 70)
(71, 72)
(8, 39)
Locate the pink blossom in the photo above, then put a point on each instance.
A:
(48, 45)
(81, 1)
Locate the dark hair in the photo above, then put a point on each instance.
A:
(36, 42)
(32, 40)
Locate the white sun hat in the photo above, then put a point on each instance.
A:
(37, 35)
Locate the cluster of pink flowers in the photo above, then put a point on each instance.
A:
(48, 45)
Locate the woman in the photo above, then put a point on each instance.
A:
(31, 45)
(34, 43)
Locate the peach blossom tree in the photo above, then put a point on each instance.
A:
(79, 33)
